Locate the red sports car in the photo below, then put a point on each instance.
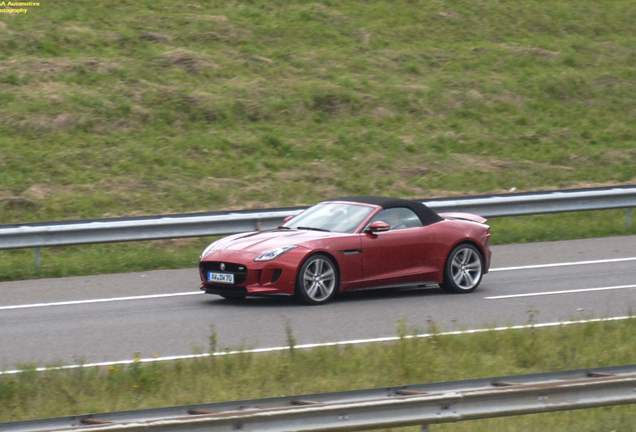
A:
(347, 244)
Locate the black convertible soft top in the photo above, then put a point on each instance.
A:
(426, 215)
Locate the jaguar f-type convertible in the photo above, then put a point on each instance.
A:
(348, 244)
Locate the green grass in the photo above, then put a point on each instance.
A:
(138, 107)
(409, 361)
(158, 107)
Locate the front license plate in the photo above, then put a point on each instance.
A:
(227, 278)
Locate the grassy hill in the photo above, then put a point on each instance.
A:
(148, 107)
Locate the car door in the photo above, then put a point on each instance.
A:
(401, 255)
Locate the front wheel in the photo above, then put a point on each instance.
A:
(317, 281)
(463, 270)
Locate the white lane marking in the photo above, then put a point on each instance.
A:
(316, 345)
(560, 292)
(564, 264)
(106, 300)
(154, 296)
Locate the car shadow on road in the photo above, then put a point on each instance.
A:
(389, 293)
(278, 301)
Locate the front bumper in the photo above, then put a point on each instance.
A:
(250, 278)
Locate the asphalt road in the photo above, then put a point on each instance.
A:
(161, 313)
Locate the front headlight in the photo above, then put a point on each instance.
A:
(208, 249)
(275, 253)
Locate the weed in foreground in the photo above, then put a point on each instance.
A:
(410, 360)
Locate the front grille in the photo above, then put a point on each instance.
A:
(239, 270)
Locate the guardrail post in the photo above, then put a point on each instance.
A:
(38, 257)
(629, 217)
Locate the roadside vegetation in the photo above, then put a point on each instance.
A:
(139, 108)
(31, 394)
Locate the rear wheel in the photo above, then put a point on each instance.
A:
(317, 281)
(463, 270)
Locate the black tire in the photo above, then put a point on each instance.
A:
(317, 281)
(463, 270)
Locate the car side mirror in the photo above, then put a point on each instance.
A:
(378, 226)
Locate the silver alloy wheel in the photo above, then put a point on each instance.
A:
(466, 268)
(319, 279)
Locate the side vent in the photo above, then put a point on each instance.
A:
(276, 275)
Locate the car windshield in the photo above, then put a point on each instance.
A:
(338, 217)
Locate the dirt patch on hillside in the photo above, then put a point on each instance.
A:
(191, 61)
(511, 99)
(449, 14)
(215, 18)
(487, 164)
(154, 37)
(106, 35)
(38, 70)
(539, 52)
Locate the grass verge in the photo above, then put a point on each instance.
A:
(52, 393)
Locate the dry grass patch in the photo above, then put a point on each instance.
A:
(51, 90)
(154, 37)
(214, 18)
(106, 35)
(44, 70)
(484, 164)
(190, 61)
(100, 65)
(381, 112)
(510, 99)
(363, 36)
(413, 88)
(414, 171)
(175, 244)
(539, 52)
(450, 14)
(320, 12)
(38, 192)
(261, 59)
(22, 67)
(619, 157)
(38, 123)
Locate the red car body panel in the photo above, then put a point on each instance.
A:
(364, 259)
(463, 216)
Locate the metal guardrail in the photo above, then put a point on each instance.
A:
(541, 203)
(372, 409)
(223, 223)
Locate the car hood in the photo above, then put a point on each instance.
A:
(260, 242)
